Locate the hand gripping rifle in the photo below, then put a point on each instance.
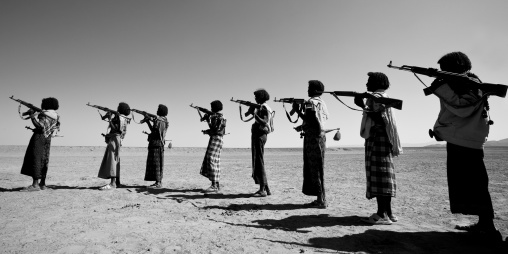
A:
(151, 117)
(388, 102)
(28, 105)
(300, 102)
(490, 89)
(204, 110)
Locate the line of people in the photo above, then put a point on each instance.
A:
(462, 123)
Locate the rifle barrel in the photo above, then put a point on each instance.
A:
(344, 93)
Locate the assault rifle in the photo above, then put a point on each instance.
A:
(147, 115)
(291, 101)
(28, 105)
(389, 102)
(493, 89)
(107, 110)
(248, 104)
(204, 110)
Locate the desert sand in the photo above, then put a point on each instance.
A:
(74, 217)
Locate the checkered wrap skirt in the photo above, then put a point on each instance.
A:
(155, 164)
(314, 148)
(379, 165)
(211, 163)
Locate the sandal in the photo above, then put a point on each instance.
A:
(31, 188)
(375, 219)
(154, 186)
(393, 218)
(259, 194)
(211, 189)
(107, 187)
(316, 204)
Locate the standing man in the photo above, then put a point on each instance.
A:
(110, 166)
(156, 140)
(463, 122)
(314, 115)
(35, 163)
(211, 163)
(260, 130)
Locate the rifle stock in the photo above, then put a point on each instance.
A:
(494, 89)
(389, 102)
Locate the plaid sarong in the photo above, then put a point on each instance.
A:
(314, 148)
(211, 163)
(155, 164)
(258, 162)
(379, 165)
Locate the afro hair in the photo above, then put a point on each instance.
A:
(378, 80)
(456, 62)
(162, 110)
(316, 86)
(124, 109)
(49, 103)
(216, 106)
(262, 95)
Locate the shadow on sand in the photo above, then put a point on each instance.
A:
(298, 223)
(378, 241)
(250, 207)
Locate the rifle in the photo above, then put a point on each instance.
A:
(389, 102)
(28, 105)
(299, 128)
(147, 115)
(291, 101)
(204, 110)
(248, 104)
(493, 89)
(106, 110)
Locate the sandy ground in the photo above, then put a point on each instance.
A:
(74, 217)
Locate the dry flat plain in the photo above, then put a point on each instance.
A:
(74, 217)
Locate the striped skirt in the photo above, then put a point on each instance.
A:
(211, 163)
(258, 163)
(314, 147)
(379, 165)
(155, 164)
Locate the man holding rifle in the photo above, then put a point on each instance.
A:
(46, 123)
(158, 126)
(217, 128)
(117, 125)
(379, 130)
(463, 123)
(314, 114)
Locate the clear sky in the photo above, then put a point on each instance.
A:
(189, 51)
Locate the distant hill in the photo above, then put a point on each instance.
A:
(502, 142)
